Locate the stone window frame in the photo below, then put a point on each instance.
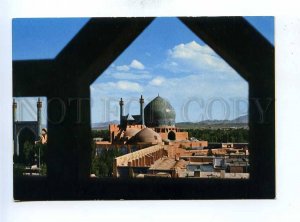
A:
(233, 38)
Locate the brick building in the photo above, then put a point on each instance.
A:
(158, 116)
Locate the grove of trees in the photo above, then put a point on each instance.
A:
(101, 133)
(239, 135)
(102, 165)
(32, 154)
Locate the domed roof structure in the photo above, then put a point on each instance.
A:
(159, 112)
(131, 132)
(147, 135)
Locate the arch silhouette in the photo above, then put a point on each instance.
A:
(26, 134)
(171, 135)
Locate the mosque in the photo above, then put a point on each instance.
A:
(150, 142)
(30, 131)
(153, 146)
(154, 125)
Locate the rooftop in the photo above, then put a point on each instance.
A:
(167, 163)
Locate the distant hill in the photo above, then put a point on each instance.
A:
(241, 119)
(104, 125)
(240, 122)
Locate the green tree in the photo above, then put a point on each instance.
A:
(104, 170)
(41, 152)
(95, 165)
(220, 135)
(102, 134)
(28, 153)
(43, 171)
(41, 149)
(102, 164)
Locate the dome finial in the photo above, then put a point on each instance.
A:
(158, 95)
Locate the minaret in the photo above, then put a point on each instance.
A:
(39, 115)
(15, 106)
(142, 110)
(121, 111)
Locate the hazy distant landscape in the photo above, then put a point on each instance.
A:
(240, 122)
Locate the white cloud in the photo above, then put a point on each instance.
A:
(131, 76)
(190, 50)
(123, 85)
(136, 68)
(157, 81)
(135, 64)
(196, 72)
(129, 86)
(123, 68)
(196, 57)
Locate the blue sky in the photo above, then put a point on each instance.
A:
(43, 38)
(265, 25)
(167, 58)
(27, 109)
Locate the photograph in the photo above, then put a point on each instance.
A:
(143, 108)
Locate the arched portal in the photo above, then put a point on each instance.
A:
(171, 135)
(25, 135)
